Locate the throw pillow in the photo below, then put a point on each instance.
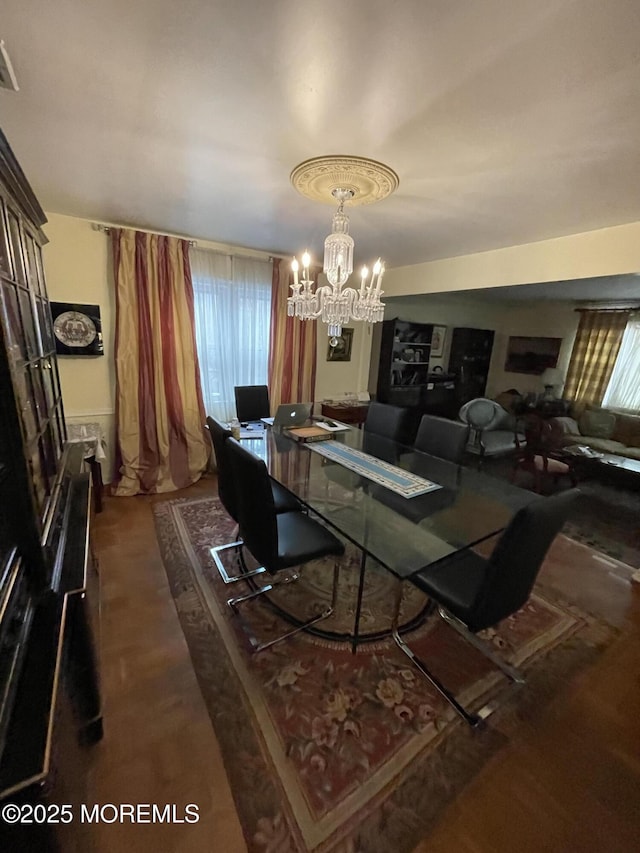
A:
(627, 430)
(597, 423)
(565, 426)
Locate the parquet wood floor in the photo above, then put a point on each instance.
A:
(568, 781)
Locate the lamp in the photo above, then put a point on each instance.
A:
(343, 179)
(550, 378)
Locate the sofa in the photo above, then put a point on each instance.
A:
(601, 429)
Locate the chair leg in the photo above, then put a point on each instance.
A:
(510, 671)
(244, 574)
(260, 647)
(472, 719)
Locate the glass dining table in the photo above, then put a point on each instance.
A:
(355, 483)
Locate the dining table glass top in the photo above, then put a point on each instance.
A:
(404, 534)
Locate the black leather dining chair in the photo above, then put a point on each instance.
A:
(441, 437)
(278, 541)
(252, 402)
(472, 593)
(387, 421)
(283, 500)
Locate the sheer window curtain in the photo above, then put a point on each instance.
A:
(232, 303)
(623, 390)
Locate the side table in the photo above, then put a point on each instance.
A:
(91, 436)
(349, 413)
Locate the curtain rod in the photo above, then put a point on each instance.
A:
(107, 229)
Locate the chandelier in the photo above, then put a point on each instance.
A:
(343, 179)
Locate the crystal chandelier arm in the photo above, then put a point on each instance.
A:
(336, 303)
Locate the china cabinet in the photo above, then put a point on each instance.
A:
(49, 694)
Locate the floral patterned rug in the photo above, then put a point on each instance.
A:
(330, 751)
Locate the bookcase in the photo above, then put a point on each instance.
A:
(403, 371)
(49, 690)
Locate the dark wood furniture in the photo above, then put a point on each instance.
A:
(348, 413)
(401, 351)
(469, 361)
(540, 455)
(49, 694)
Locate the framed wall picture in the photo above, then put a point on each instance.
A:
(77, 328)
(437, 341)
(532, 355)
(342, 351)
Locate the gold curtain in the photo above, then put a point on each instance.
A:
(594, 355)
(292, 346)
(160, 441)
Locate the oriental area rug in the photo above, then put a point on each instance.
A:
(330, 751)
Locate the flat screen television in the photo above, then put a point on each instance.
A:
(532, 355)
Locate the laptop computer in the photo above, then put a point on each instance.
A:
(289, 414)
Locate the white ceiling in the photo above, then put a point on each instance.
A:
(507, 121)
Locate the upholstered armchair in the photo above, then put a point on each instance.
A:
(492, 429)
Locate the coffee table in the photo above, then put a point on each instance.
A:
(620, 463)
(606, 465)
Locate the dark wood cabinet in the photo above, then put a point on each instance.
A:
(403, 351)
(49, 692)
(403, 371)
(348, 413)
(469, 361)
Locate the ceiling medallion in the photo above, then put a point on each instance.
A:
(340, 179)
(368, 180)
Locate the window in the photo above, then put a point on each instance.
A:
(623, 390)
(232, 306)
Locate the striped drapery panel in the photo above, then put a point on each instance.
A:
(160, 441)
(292, 346)
(594, 354)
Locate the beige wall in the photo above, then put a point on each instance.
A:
(337, 379)
(608, 251)
(78, 269)
(544, 319)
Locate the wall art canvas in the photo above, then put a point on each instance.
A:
(532, 355)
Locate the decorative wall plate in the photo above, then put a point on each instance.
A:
(77, 329)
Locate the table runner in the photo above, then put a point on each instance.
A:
(396, 479)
